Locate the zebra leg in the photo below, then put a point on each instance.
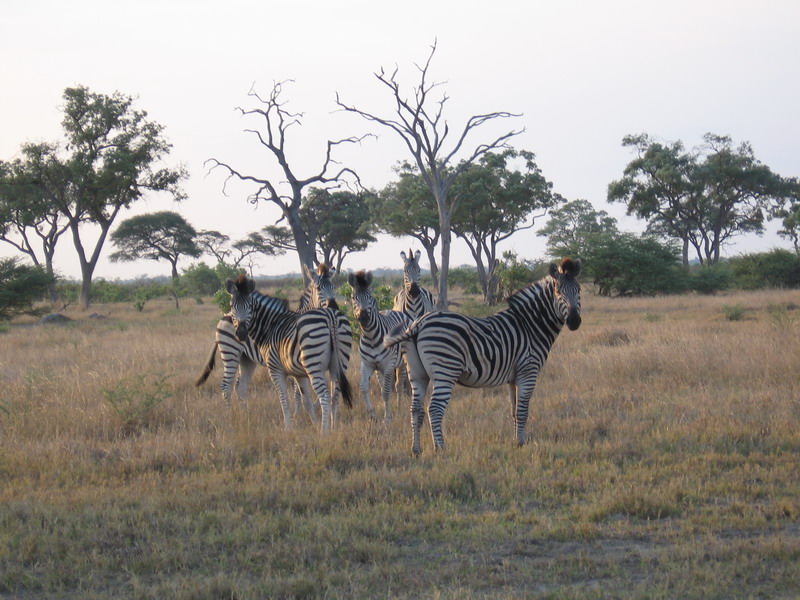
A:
(440, 396)
(320, 385)
(419, 385)
(279, 379)
(366, 375)
(230, 366)
(246, 369)
(305, 392)
(524, 392)
(386, 392)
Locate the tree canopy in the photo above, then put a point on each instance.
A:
(164, 235)
(702, 198)
(494, 201)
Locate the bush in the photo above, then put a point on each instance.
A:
(623, 264)
(710, 279)
(775, 269)
(20, 287)
(200, 280)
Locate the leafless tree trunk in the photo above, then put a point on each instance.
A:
(276, 121)
(421, 124)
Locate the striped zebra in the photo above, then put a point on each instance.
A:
(298, 345)
(320, 293)
(237, 358)
(446, 348)
(242, 357)
(413, 299)
(375, 324)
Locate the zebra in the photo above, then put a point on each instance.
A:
(375, 324)
(446, 348)
(241, 357)
(413, 299)
(299, 345)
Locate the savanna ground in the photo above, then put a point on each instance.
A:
(664, 463)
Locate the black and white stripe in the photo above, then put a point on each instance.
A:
(303, 346)
(446, 348)
(375, 324)
(242, 357)
(413, 299)
(237, 357)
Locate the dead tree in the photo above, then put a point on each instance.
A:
(420, 123)
(276, 121)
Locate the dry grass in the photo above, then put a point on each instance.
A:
(664, 464)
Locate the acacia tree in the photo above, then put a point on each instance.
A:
(164, 235)
(420, 123)
(268, 242)
(276, 121)
(339, 222)
(494, 202)
(406, 208)
(703, 198)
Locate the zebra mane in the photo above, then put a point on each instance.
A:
(363, 279)
(271, 303)
(243, 284)
(322, 270)
(570, 267)
(524, 298)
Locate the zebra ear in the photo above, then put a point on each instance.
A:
(230, 285)
(553, 270)
(368, 278)
(251, 286)
(403, 255)
(417, 254)
(331, 271)
(309, 274)
(351, 279)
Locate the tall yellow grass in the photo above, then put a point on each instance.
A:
(663, 463)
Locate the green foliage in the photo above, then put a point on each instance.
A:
(734, 312)
(135, 399)
(144, 293)
(200, 280)
(466, 278)
(627, 265)
(106, 292)
(709, 279)
(385, 296)
(515, 274)
(570, 228)
(21, 286)
(704, 196)
(775, 269)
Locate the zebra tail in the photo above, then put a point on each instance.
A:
(400, 333)
(208, 368)
(344, 384)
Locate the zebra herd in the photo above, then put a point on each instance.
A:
(438, 349)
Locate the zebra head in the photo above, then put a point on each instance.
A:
(364, 304)
(320, 292)
(411, 272)
(567, 291)
(241, 290)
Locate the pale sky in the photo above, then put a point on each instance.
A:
(582, 73)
